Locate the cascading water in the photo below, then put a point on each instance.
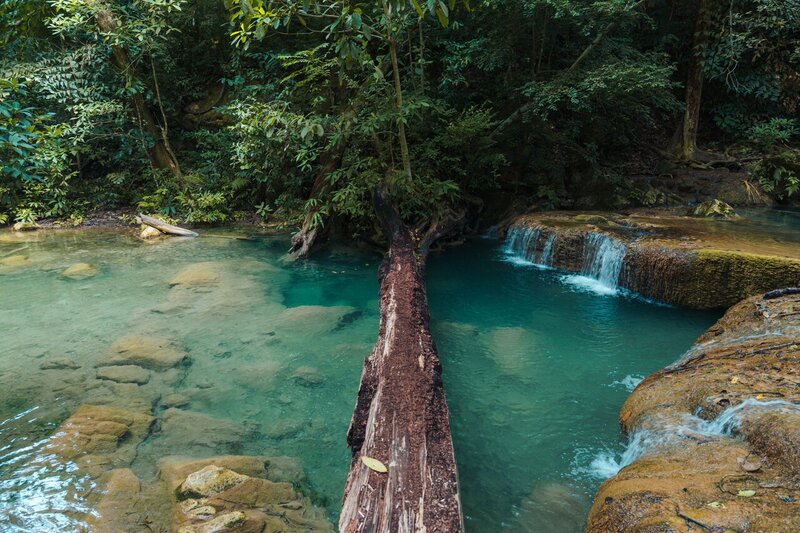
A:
(547, 250)
(602, 258)
(522, 245)
(659, 435)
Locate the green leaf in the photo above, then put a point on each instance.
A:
(374, 464)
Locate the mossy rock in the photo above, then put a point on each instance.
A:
(596, 220)
(718, 278)
(25, 226)
(713, 209)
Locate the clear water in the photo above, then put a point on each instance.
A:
(535, 369)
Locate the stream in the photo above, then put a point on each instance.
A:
(536, 364)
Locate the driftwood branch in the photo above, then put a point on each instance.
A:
(163, 227)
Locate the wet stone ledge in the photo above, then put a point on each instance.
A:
(694, 263)
(714, 439)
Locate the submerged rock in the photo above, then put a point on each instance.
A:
(511, 348)
(149, 352)
(115, 510)
(313, 320)
(197, 275)
(14, 261)
(59, 363)
(551, 507)
(307, 376)
(124, 374)
(197, 432)
(80, 271)
(174, 399)
(712, 209)
(99, 437)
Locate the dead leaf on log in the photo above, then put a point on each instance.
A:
(374, 464)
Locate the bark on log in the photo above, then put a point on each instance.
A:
(401, 417)
(163, 227)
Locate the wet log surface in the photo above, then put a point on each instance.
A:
(401, 417)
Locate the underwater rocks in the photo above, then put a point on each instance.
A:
(59, 363)
(198, 275)
(149, 352)
(313, 320)
(232, 493)
(80, 271)
(307, 376)
(99, 437)
(696, 263)
(124, 374)
(716, 435)
(14, 261)
(198, 433)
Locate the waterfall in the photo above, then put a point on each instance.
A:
(660, 435)
(547, 251)
(602, 258)
(522, 245)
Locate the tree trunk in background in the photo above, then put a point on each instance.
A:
(686, 136)
(303, 241)
(398, 93)
(401, 417)
(161, 154)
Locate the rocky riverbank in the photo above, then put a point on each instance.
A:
(714, 439)
(693, 262)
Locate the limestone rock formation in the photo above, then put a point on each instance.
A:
(696, 263)
(231, 493)
(718, 432)
(98, 437)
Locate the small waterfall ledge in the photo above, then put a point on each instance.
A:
(676, 260)
(714, 439)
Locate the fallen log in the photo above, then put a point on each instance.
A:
(401, 417)
(163, 227)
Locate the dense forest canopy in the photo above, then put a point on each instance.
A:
(212, 110)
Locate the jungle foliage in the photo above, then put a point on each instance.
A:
(211, 110)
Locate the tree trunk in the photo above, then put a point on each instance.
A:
(398, 93)
(161, 154)
(401, 416)
(303, 241)
(686, 136)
